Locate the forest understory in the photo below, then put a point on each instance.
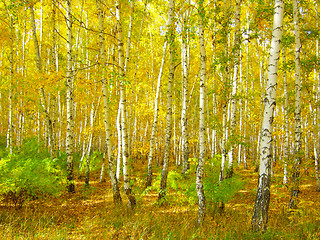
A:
(91, 214)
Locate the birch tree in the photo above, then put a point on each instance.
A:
(69, 86)
(10, 107)
(171, 39)
(286, 149)
(236, 50)
(297, 112)
(261, 206)
(317, 75)
(109, 155)
(185, 73)
(123, 103)
(202, 137)
(42, 92)
(155, 118)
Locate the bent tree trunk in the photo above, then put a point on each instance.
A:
(261, 206)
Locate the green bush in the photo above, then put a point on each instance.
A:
(185, 185)
(29, 175)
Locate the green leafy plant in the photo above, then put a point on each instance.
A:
(29, 175)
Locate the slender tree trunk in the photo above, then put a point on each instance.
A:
(202, 139)
(262, 97)
(171, 39)
(240, 115)
(184, 114)
(69, 85)
(245, 150)
(119, 130)
(109, 155)
(297, 112)
(225, 96)
(236, 49)
(261, 207)
(10, 107)
(317, 73)
(286, 123)
(155, 118)
(123, 102)
(224, 139)
(43, 96)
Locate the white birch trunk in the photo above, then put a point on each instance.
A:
(261, 207)
(10, 107)
(202, 128)
(286, 149)
(44, 105)
(119, 130)
(317, 73)
(236, 49)
(297, 112)
(224, 139)
(171, 39)
(123, 102)
(108, 156)
(184, 116)
(69, 85)
(155, 118)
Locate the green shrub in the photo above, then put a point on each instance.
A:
(29, 175)
(184, 185)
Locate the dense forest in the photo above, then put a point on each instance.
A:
(159, 119)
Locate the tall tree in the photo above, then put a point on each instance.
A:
(317, 73)
(43, 101)
(286, 149)
(297, 112)
(11, 78)
(236, 52)
(109, 156)
(185, 75)
(155, 118)
(202, 129)
(171, 39)
(123, 103)
(70, 114)
(261, 206)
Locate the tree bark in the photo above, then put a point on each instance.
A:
(184, 114)
(171, 39)
(297, 112)
(155, 118)
(109, 155)
(69, 85)
(236, 49)
(261, 207)
(202, 139)
(286, 122)
(317, 73)
(123, 103)
(43, 96)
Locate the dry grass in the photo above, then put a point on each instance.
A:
(91, 214)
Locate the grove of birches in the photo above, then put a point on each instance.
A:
(189, 103)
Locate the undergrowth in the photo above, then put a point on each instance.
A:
(90, 213)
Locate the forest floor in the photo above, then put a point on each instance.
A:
(90, 214)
